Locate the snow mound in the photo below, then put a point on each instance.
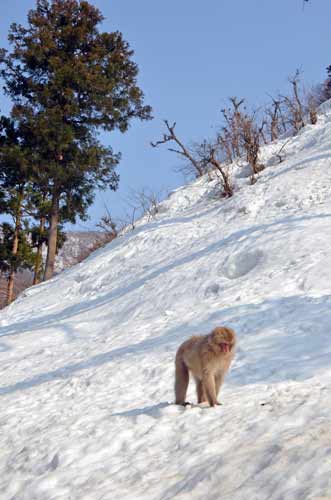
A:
(87, 359)
(242, 263)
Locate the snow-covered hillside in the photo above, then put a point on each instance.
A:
(87, 360)
(77, 245)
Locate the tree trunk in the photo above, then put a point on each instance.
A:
(11, 279)
(274, 130)
(299, 118)
(228, 190)
(52, 238)
(37, 266)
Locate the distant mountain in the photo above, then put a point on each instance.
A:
(78, 245)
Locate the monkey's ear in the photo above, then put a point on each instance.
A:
(212, 337)
(215, 332)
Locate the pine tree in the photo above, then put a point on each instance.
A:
(15, 172)
(13, 261)
(68, 80)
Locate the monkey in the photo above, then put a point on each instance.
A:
(208, 358)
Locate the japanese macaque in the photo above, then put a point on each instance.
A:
(208, 358)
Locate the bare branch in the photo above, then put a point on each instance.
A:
(279, 155)
(183, 151)
(227, 185)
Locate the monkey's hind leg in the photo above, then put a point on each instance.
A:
(201, 393)
(181, 381)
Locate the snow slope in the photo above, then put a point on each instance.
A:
(87, 358)
(77, 245)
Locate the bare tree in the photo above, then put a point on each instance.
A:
(183, 151)
(139, 203)
(274, 115)
(263, 124)
(314, 97)
(232, 117)
(211, 156)
(224, 139)
(108, 226)
(312, 109)
(223, 171)
(294, 105)
(201, 153)
(250, 137)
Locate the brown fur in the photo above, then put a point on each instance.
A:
(208, 358)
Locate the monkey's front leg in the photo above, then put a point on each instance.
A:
(219, 379)
(209, 385)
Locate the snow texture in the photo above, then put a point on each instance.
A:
(77, 245)
(87, 359)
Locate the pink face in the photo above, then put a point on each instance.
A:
(224, 338)
(225, 347)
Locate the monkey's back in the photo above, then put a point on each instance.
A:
(189, 352)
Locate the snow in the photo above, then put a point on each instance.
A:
(77, 245)
(87, 359)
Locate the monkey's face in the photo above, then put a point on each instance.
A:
(224, 338)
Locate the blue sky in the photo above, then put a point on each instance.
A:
(192, 55)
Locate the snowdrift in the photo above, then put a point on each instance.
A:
(86, 380)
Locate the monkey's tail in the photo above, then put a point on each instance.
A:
(181, 380)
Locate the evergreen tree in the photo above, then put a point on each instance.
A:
(68, 80)
(39, 209)
(13, 261)
(16, 168)
(39, 238)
